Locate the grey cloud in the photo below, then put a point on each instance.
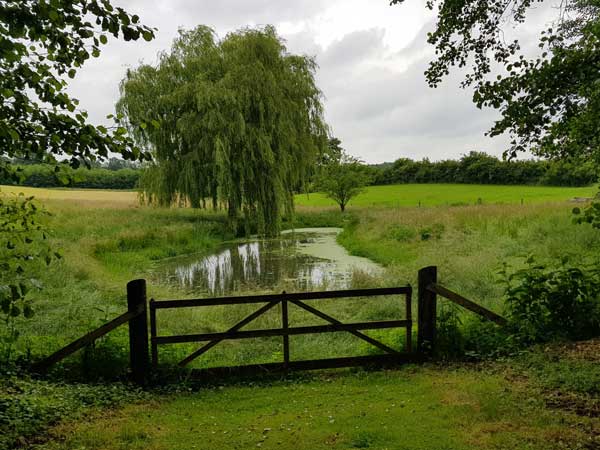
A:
(376, 102)
(353, 48)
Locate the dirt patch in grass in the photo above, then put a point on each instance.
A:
(576, 403)
(582, 350)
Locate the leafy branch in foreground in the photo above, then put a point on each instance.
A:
(550, 103)
(41, 43)
(23, 248)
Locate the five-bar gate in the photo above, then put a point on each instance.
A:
(299, 300)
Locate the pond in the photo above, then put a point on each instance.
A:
(303, 260)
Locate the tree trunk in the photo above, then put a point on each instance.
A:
(232, 217)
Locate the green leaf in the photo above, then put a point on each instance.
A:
(13, 134)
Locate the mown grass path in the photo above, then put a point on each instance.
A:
(404, 409)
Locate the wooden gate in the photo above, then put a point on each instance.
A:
(136, 318)
(299, 300)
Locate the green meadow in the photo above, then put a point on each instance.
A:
(107, 239)
(411, 195)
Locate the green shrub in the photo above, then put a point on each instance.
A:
(481, 168)
(401, 233)
(435, 231)
(450, 342)
(45, 175)
(28, 407)
(547, 303)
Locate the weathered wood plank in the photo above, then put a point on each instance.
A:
(427, 311)
(164, 304)
(286, 337)
(466, 303)
(276, 332)
(139, 359)
(78, 344)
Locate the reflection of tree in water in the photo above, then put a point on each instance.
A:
(261, 264)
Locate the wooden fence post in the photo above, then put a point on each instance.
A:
(138, 331)
(286, 339)
(427, 304)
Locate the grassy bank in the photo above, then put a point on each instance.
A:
(469, 244)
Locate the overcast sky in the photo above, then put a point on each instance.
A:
(371, 60)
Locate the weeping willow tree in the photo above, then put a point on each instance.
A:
(237, 121)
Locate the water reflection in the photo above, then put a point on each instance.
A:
(296, 261)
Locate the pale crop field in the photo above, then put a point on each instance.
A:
(85, 197)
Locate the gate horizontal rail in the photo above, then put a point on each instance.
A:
(282, 332)
(315, 364)
(167, 304)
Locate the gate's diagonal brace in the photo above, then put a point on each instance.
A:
(358, 334)
(236, 327)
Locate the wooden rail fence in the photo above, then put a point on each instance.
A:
(143, 335)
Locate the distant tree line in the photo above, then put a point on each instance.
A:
(114, 174)
(481, 168)
(474, 168)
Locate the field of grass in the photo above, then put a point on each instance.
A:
(411, 195)
(108, 239)
(105, 245)
(408, 195)
(469, 244)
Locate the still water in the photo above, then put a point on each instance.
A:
(305, 259)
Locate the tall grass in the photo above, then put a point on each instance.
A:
(105, 246)
(469, 244)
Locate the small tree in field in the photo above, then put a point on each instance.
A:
(342, 179)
